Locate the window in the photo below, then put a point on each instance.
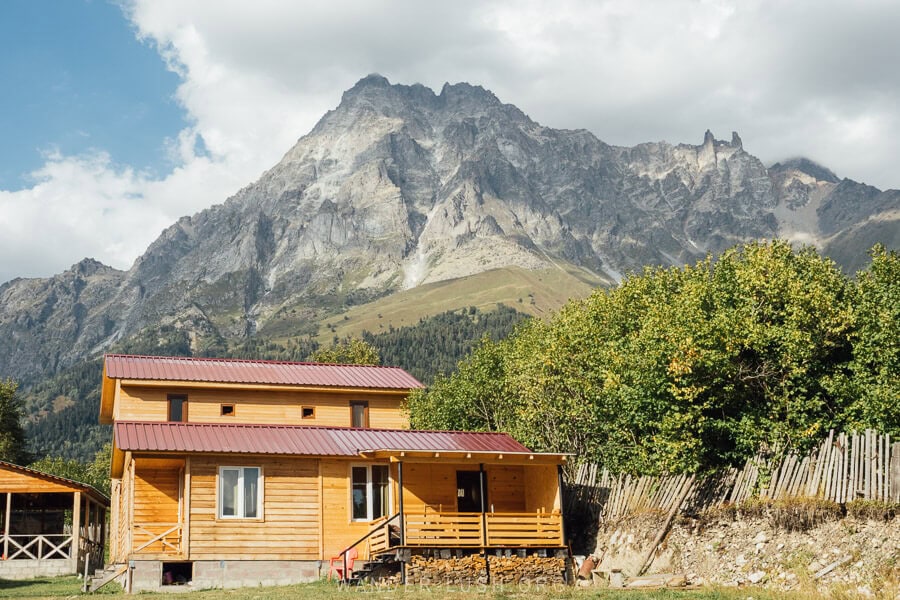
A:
(369, 492)
(239, 492)
(308, 412)
(178, 408)
(228, 410)
(359, 414)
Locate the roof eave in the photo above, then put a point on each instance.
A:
(474, 456)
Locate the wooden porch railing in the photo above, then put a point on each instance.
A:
(157, 538)
(443, 529)
(456, 529)
(524, 529)
(37, 547)
(379, 537)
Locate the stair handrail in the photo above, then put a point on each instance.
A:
(343, 553)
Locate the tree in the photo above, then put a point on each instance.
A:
(875, 383)
(474, 398)
(353, 352)
(94, 473)
(676, 370)
(12, 435)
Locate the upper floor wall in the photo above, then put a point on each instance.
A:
(235, 405)
(205, 390)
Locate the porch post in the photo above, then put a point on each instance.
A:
(102, 526)
(400, 503)
(6, 524)
(402, 520)
(76, 529)
(562, 506)
(186, 518)
(481, 500)
(484, 539)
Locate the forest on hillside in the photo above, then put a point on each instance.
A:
(687, 369)
(63, 410)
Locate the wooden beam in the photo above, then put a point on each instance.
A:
(321, 511)
(76, 528)
(186, 527)
(206, 385)
(6, 524)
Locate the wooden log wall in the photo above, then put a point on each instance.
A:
(843, 468)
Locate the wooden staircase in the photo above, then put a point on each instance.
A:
(103, 576)
(368, 570)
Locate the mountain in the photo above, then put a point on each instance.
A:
(401, 188)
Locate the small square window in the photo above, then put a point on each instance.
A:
(308, 412)
(228, 410)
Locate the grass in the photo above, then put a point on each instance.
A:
(537, 293)
(68, 587)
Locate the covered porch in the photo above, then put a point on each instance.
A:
(48, 525)
(468, 503)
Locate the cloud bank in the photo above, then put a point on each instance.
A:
(811, 78)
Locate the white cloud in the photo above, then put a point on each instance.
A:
(812, 78)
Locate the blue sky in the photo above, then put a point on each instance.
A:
(76, 78)
(116, 119)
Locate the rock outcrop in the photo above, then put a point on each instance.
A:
(400, 186)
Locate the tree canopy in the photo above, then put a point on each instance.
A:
(351, 352)
(94, 473)
(686, 369)
(12, 435)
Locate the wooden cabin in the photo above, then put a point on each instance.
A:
(48, 525)
(235, 472)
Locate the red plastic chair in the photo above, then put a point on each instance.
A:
(338, 568)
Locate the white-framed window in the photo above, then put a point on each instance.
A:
(240, 492)
(369, 492)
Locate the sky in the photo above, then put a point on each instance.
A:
(117, 118)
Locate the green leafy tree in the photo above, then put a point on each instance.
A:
(352, 352)
(12, 435)
(94, 473)
(676, 370)
(875, 368)
(475, 398)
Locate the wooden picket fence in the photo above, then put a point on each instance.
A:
(844, 467)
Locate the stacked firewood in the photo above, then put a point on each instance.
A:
(465, 570)
(528, 569)
(468, 570)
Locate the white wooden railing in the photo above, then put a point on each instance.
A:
(37, 547)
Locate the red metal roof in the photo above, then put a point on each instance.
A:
(230, 370)
(300, 440)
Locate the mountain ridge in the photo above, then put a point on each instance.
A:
(398, 187)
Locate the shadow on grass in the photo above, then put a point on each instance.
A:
(40, 587)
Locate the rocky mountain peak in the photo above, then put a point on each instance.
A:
(399, 187)
(807, 167)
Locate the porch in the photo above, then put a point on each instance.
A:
(48, 525)
(469, 530)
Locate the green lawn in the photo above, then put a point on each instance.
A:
(68, 587)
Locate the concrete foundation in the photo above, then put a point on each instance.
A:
(29, 569)
(148, 575)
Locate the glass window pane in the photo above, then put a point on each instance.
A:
(358, 415)
(251, 492)
(229, 483)
(360, 504)
(176, 409)
(379, 491)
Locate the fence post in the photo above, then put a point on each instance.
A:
(895, 472)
